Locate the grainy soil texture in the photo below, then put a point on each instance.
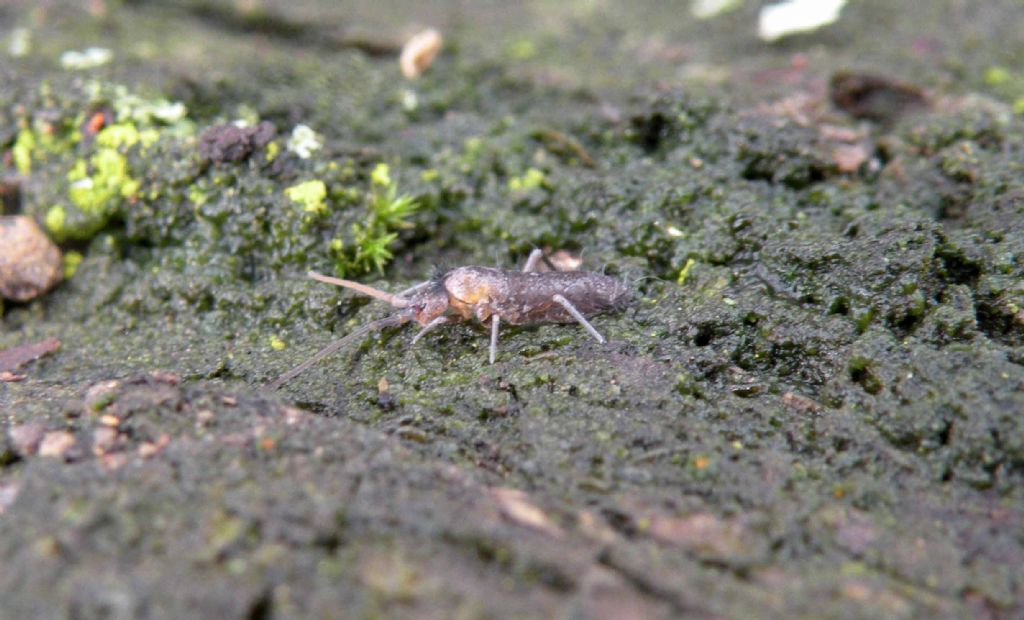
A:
(812, 407)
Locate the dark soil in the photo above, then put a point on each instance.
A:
(813, 408)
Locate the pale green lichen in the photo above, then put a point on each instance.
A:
(98, 188)
(72, 260)
(310, 195)
(54, 220)
(531, 179)
(273, 149)
(381, 175)
(126, 135)
(22, 150)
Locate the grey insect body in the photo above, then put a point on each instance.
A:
(490, 296)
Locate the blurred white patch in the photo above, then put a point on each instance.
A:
(409, 101)
(304, 141)
(786, 18)
(86, 59)
(706, 9)
(21, 42)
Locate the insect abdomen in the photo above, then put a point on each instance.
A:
(530, 296)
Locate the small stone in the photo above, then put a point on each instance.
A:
(103, 439)
(17, 356)
(8, 493)
(419, 52)
(56, 443)
(204, 417)
(26, 437)
(100, 395)
(152, 448)
(30, 264)
(516, 506)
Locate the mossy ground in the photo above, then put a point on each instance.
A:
(812, 409)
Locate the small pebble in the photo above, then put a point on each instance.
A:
(56, 443)
(103, 439)
(419, 52)
(30, 264)
(26, 437)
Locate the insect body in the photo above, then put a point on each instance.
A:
(490, 296)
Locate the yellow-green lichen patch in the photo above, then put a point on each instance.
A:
(55, 218)
(22, 150)
(72, 260)
(310, 195)
(531, 179)
(97, 188)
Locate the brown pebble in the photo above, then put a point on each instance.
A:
(103, 439)
(99, 395)
(30, 264)
(26, 437)
(56, 443)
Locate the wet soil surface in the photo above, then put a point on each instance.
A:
(812, 407)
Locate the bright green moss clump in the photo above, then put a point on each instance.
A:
(371, 241)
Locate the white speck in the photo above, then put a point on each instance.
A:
(785, 18)
(21, 42)
(85, 183)
(169, 112)
(673, 231)
(304, 141)
(86, 59)
(409, 100)
(705, 9)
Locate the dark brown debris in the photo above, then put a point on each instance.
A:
(16, 357)
(10, 196)
(228, 143)
(873, 97)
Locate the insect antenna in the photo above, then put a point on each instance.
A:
(390, 321)
(394, 300)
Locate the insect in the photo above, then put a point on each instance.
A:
(489, 295)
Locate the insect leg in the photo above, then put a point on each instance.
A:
(536, 256)
(441, 320)
(571, 309)
(494, 337)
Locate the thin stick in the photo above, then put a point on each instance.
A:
(391, 321)
(394, 300)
